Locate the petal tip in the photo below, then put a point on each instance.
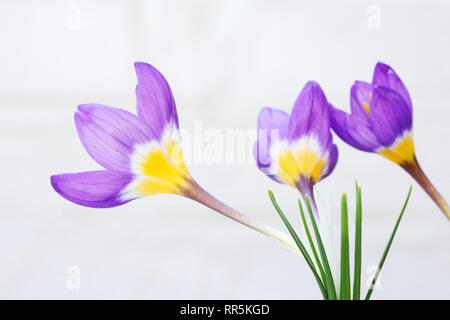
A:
(55, 181)
(94, 189)
(86, 108)
(314, 89)
(140, 64)
(382, 66)
(82, 114)
(312, 85)
(141, 68)
(381, 69)
(78, 119)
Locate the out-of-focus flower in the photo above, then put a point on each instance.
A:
(297, 149)
(381, 122)
(141, 154)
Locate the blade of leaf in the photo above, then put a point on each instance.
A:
(299, 244)
(311, 243)
(358, 236)
(345, 258)
(388, 246)
(329, 277)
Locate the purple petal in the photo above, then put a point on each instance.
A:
(109, 134)
(360, 95)
(390, 115)
(155, 102)
(332, 160)
(385, 76)
(96, 189)
(264, 168)
(354, 130)
(272, 125)
(310, 115)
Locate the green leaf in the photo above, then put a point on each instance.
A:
(345, 258)
(388, 246)
(311, 243)
(299, 244)
(329, 277)
(358, 233)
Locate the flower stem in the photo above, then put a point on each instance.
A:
(197, 193)
(305, 187)
(414, 169)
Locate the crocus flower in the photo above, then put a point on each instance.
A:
(381, 122)
(141, 155)
(297, 149)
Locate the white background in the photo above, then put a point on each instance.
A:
(225, 60)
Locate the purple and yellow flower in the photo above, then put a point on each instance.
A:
(381, 122)
(141, 155)
(297, 149)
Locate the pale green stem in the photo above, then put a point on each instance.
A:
(195, 192)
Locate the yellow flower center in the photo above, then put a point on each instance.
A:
(159, 168)
(401, 151)
(302, 160)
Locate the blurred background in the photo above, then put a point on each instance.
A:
(224, 60)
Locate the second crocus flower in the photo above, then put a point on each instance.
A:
(297, 149)
(381, 122)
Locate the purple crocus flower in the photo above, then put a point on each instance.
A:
(297, 149)
(141, 155)
(381, 122)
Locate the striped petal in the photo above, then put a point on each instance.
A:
(385, 76)
(96, 189)
(390, 116)
(354, 130)
(272, 129)
(310, 115)
(267, 170)
(332, 161)
(110, 134)
(309, 135)
(360, 98)
(155, 102)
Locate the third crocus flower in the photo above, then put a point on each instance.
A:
(381, 122)
(297, 149)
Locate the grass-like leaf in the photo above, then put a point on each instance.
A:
(299, 244)
(345, 293)
(388, 246)
(358, 236)
(329, 277)
(311, 243)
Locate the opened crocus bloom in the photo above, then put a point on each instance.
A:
(381, 122)
(297, 149)
(141, 154)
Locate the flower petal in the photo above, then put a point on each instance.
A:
(310, 115)
(96, 189)
(332, 160)
(354, 130)
(267, 170)
(110, 134)
(360, 98)
(155, 102)
(272, 127)
(390, 116)
(385, 76)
